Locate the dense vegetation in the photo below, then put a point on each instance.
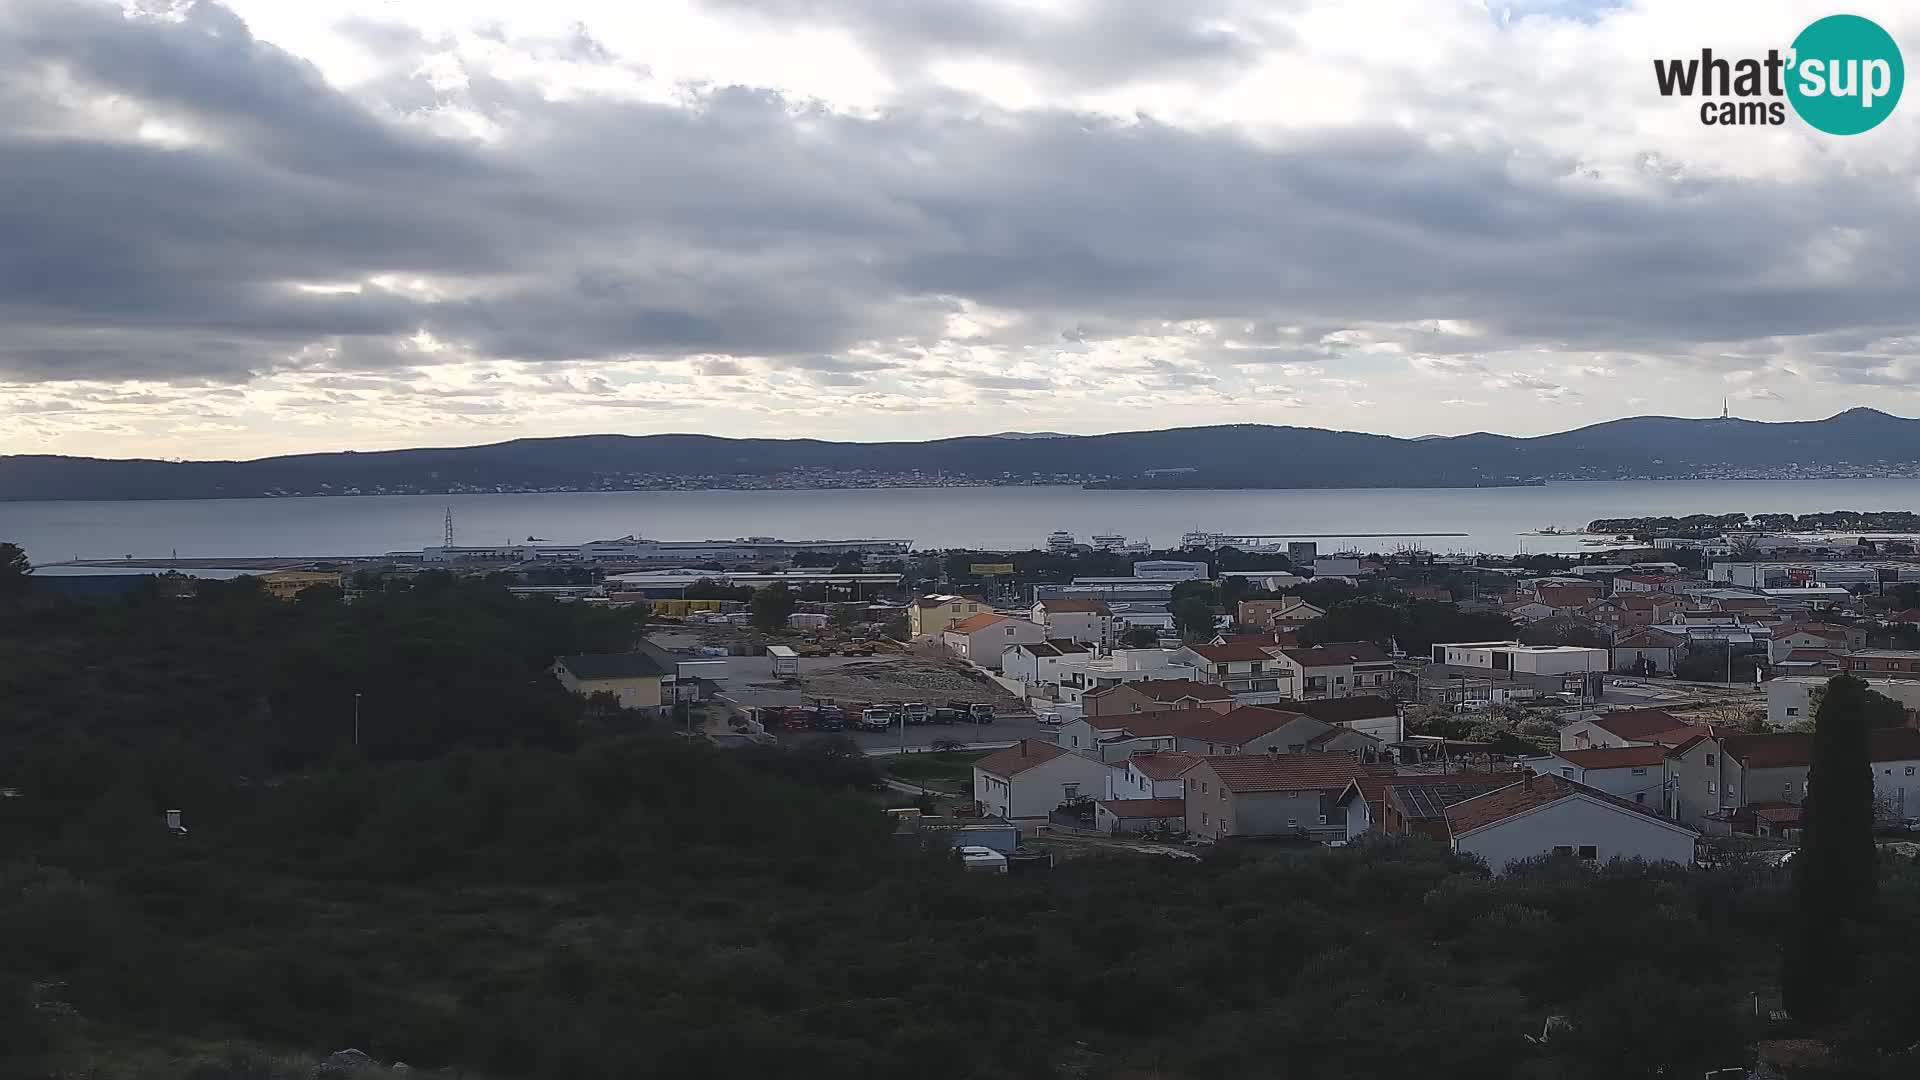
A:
(500, 885)
(1715, 524)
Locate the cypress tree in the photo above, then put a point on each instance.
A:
(1835, 876)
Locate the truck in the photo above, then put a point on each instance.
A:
(917, 712)
(976, 712)
(876, 719)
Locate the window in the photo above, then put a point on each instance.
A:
(1203, 787)
(1909, 770)
(1712, 787)
(1640, 772)
(1203, 817)
(1792, 711)
(1339, 680)
(1589, 852)
(1709, 761)
(1223, 794)
(1563, 849)
(1640, 797)
(1323, 819)
(1293, 823)
(1568, 773)
(1070, 791)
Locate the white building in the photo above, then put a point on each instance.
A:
(1634, 773)
(1335, 670)
(982, 638)
(1552, 815)
(1335, 566)
(1029, 780)
(1151, 775)
(1171, 570)
(1089, 622)
(1523, 659)
(1043, 663)
(1793, 698)
(1120, 666)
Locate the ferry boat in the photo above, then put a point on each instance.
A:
(1060, 540)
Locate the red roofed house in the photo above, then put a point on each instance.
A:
(1029, 780)
(1648, 651)
(1255, 729)
(1150, 775)
(1883, 663)
(1909, 617)
(1115, 738)
(1786, 638)
(1623, 727)
(1154, 695)
(1568, 594)
(982, 638)
(1248, 670)
(1552, 815)
(1716, 780)
(1635, 773)
(1088, 622)
(1254, 795)
(929, 616)
(1337, 669)
(1413, 804)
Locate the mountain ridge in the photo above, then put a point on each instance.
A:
(1213, 456)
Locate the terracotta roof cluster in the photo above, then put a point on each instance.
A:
(1821, 630)
(974, 623)
(1018, 758)
(1145, 808)
(1620, 757)
(1792, 749)
(1235, 728)
(1338, 653)
(1175, 689)
(1249, 773)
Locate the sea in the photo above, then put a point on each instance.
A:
(1442, 520)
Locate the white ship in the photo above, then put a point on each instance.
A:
(1060, 540)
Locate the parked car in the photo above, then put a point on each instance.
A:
(1047, 719)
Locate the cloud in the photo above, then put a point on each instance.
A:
(1120, 210)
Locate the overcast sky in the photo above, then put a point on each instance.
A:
(278, 225)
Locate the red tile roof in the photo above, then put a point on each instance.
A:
(1785, 630)
(1637, 723)
(1535, 791)
(1622, 757)
(1095, 607)
(1336, 653)
(973, 623)
(1163, 765)
(1811, 656)
(1780, 815)
(1151, 724)
(1910, 615)
(1249, 773)
(1018, 758)
(1242, 724)
(1145, 808)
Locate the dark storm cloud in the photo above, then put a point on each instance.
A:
(747, 224)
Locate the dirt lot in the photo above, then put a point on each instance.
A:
(904, 679)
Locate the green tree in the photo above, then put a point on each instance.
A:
(14, 569)
(772, 604)
(1835, 882)
(1139, 637)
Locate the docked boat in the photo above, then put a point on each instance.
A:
(1060, 540)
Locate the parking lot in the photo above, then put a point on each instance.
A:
(1004, 730)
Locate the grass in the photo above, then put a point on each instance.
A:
(949, 768)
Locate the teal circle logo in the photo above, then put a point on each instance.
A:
(1846, 75)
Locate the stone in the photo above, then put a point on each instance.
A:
(343, 1063)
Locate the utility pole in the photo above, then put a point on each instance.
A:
(356, 719)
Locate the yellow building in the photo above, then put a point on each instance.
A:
(930, 616)
(643, 679)
(681, 608)
(286, 584)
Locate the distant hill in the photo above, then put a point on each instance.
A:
(1856, 442)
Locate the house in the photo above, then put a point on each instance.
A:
(1785, 638)
(1634, 773)
(1514, 657)
(1089, 622)
(982, 638)
(1561, 595)
(1115, 738)
(1718, 780)
(1141, 815)
(1150, 775)
(1119, 667)
(1155, 695)
(1552, 815)
(287, 584)
(1369, 714)
(1337, 669)
(1029, 780)
(1270, 795)
(1650, 583)
(1287, 612)
(1248, 671)
(1794, 698)
(1907, 617)
(1623, 727)
(1882, 663)
(929, 616)
(1650, 651)
(1043, 663)
(1412, 804)
(1817, 662)
(1255, 730)
(646, 678)
(1434, 593)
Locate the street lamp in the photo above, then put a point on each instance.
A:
(356, 719)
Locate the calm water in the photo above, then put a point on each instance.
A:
(1492, 519)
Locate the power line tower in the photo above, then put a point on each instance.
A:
(449, 539)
